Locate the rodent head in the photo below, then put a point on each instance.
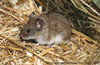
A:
(32, 30)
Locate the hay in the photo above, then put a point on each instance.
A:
(82, 50)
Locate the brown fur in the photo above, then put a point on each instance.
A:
(55, 27)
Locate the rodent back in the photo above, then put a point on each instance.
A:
(56, 24)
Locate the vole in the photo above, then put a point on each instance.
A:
(47, 28)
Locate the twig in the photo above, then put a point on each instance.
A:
(85, 11)
(92, 19)
(41, 57)
(90, 7)
(13, 48)
(7, 24)
(87, 38)
(9, 8)
(10, 14)
(34, 7)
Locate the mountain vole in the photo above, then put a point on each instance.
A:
(47, 28)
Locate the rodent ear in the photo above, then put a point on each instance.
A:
(39, 23)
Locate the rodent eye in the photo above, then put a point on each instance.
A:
(28, 31)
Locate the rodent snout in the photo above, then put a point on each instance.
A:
(23, 35)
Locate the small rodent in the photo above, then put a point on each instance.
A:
(48, 28)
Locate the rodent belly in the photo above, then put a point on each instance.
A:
(55, 40)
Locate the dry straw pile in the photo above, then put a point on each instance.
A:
(82, 16)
